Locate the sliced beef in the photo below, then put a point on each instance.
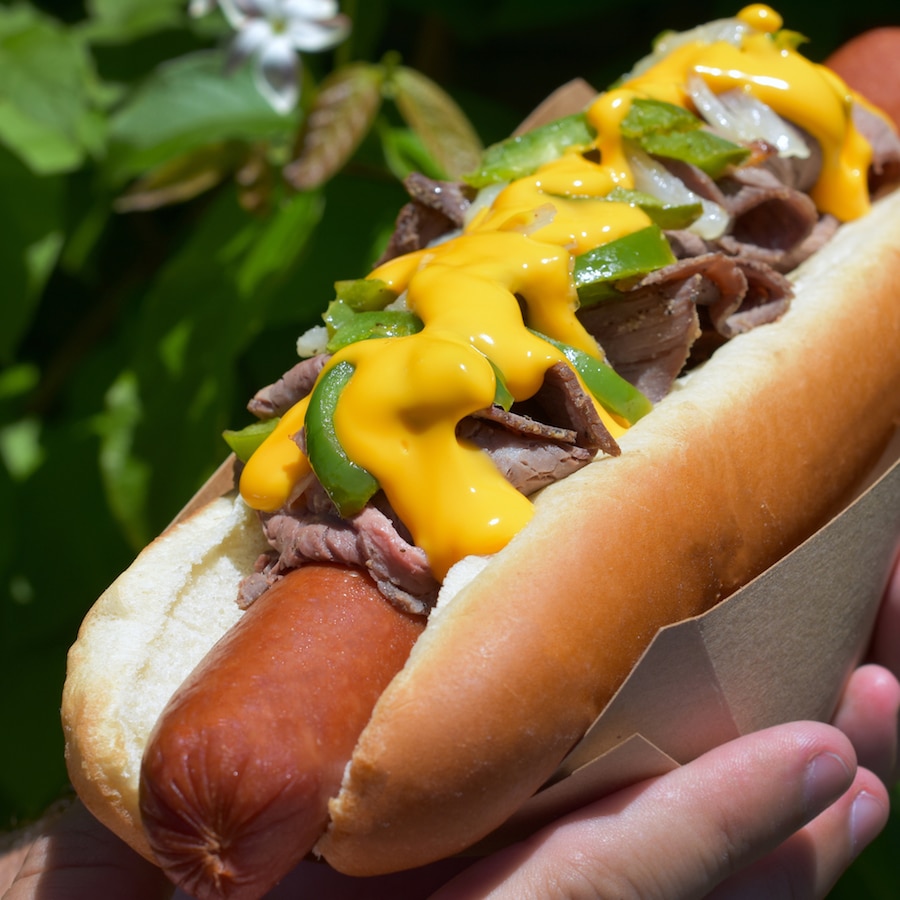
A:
(526, 426)
(885, 166)
(685, 243)
(416, 227)
(450, 198)
(769, 219)
(435, 208)
(798, 172)
(527, 462)
(772, 220)
(766, 300)
(823, 231)
(650, 331)
(276, 399)
(647, 332)
(371, 540)
(695, 180)
(562, 401)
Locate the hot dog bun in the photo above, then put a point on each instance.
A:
(137, 645)
(746, 457)
(744, 460)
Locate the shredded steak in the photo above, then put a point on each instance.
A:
(650, 331)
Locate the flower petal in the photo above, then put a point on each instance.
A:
(268, 9)
(238, 12)
(313, 36)
(311, 9)
(199, 8)
(251, 39)
(277, 71)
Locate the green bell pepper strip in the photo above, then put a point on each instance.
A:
(245, 441)
(634, 254)
(523, 154)
(362, 294)
(352, 298)
(656, 117)
(384, 323)
(349, 485)
(615, 393)
(337, 314)
(502, 395)
(663, 129)
(666, 215)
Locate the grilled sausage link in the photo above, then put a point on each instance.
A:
(237, 775)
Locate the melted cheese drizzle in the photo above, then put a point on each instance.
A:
(397, 416)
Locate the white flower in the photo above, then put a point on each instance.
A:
(274, 33)
(199, 8)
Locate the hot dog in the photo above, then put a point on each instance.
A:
(306, 634)
(681, 506)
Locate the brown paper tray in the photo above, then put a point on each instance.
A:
(779, 650)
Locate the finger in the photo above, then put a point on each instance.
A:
(809, 863)
(868, 715)
(12, 854)
(886, 641)
(680, 835)
(314, 879)
(76, 858)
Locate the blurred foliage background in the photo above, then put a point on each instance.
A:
(160, 254)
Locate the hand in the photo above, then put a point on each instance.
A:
(70, 854)
(781, 812)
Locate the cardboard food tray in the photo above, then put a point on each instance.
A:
(778, 650)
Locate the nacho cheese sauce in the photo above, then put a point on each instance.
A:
(398, 414)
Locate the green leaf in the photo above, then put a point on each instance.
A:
(279, 242)
(182, 178)
(119, 21)
(404, 152)
(31, 236)
(42, 604)
(20, 447)
(176, 393)
(185, 104)
(340, 118)
(47, 114)
(438, 121)
(126, 475)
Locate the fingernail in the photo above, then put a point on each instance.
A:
(827, 777)
(867, 817)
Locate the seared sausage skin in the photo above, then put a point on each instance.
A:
(238, 771)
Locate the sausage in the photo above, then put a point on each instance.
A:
(870, 64)
(208, 799)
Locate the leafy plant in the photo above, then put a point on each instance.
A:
(164, 239)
